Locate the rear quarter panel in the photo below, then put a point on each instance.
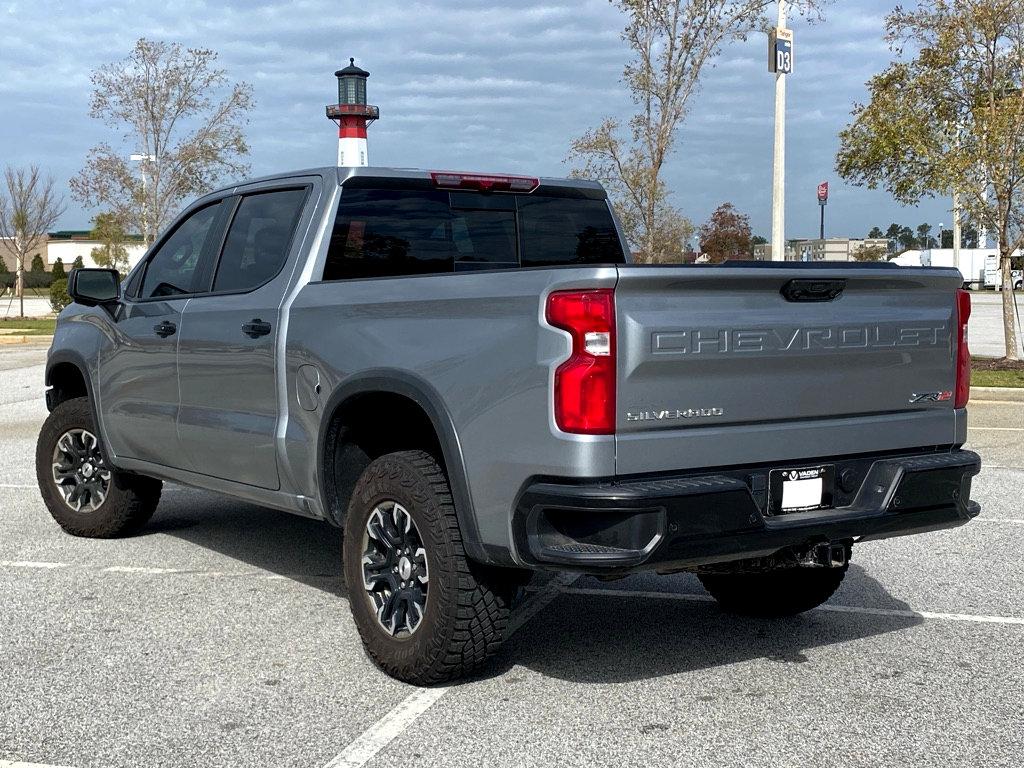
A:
(476, 340)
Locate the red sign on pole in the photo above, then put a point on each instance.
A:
(823, 192)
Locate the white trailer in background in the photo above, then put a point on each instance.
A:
(979, 266)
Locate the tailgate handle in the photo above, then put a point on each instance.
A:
(813, 290)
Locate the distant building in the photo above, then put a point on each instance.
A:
(67, 245)
(831, 249)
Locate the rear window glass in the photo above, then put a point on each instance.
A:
(392, 232)
(558, 230)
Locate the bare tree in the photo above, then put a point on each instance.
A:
(164, 98)
(672, 41)
(29, 207)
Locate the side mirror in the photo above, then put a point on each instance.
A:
(94, 287)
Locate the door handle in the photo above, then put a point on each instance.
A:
(165, 329)
(255, 328)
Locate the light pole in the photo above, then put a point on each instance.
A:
(780, 61)
(941, 225)
(144, 161)
(956, 228)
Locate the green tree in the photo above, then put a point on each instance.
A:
(672, 42)
(78, 263)
(876, 233)
(59, 297)
(924, 238)
(947, 117)
(176, 109)
(111, 252)
(871, 253)
(726, 235)
(29, 207)
(906, 238)
(37, 264)
(58, 269)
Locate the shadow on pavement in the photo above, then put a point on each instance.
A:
(610, 639)
(307, 551)
(578, 638)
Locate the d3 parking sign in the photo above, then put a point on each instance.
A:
(780, 51)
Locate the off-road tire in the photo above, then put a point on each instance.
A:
(774, 594)
(467, 606)
(130, 500)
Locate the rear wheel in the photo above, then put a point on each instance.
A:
(425, 613)
(776, 593)
(83, 493)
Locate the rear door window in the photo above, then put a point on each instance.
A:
(258, 240)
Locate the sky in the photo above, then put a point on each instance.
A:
(462, 84)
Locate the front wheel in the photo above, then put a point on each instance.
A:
(425, 613)
(83, 493)
(773, 594)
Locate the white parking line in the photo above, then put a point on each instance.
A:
(385, 730)
(29, 564)
(15, 764)
(996, 429)
(138, 569)
(16, 485)
(834, 608)
(394, 723)
(1009, 520)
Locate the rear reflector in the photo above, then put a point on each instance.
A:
(963, 354)
(584, 395)
(483, 182)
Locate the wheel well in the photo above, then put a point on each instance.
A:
(364, 427)
(67, 382)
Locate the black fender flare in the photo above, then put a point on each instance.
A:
(75, 358)
(426, 397)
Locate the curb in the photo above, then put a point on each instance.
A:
(25, 339)
(1006, 394)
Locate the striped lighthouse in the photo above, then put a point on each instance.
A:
(352, 114)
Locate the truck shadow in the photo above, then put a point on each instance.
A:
(605, 638)
(306, 551)
(580, 637)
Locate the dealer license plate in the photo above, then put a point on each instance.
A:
(801, 489)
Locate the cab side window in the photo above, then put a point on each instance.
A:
(175, 270)
(259, 239)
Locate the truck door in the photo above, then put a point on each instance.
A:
(139, 378)
(227, 422)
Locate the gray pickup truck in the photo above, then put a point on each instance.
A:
(467, 374)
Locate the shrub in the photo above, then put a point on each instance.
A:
(58, 270)
(34, 279)
(59, 295)
(37, 264)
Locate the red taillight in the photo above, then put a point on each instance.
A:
(484, 182)
(585, 383)
(963, 354)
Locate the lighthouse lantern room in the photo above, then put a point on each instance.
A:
(352, 114)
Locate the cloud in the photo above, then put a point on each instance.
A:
(470, 84)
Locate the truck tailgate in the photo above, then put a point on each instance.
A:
(716, 366)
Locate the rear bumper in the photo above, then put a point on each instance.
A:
(686, 521)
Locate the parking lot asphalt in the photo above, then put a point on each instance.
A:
(221, 636)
